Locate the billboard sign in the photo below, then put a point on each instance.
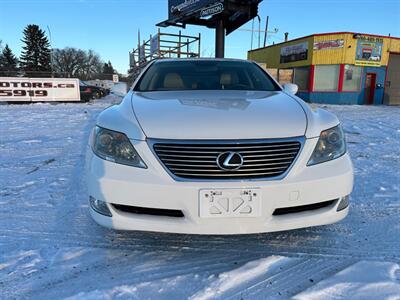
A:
(329, 45)
(294, 53)
(16, 89)
(369, 51)
(179, 8)
(235, 13)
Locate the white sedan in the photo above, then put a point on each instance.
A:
(216, 146)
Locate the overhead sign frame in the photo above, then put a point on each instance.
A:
(224, 15)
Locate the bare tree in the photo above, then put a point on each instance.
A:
(68, 61)
(92, 66)
(72, 62)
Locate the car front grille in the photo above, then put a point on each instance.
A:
(198, 160)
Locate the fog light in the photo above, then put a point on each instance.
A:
(344, 203)
(99, 206)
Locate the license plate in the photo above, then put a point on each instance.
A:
(230, 203)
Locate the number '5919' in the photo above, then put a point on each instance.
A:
(23, 93)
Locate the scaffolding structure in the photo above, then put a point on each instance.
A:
(163, 45)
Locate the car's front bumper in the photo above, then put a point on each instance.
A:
(154, 188)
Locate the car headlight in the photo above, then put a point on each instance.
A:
(331, 145)
(115, 146)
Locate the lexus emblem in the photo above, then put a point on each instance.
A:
(229, 161)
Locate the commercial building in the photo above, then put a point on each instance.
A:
(337, 68)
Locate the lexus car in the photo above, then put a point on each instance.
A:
(216, 146)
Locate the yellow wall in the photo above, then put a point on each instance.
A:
(333, 56)
(390, 45)
(346, 55)
(271, 55)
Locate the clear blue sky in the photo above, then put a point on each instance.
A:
(110, 26)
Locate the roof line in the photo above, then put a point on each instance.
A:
(328, 33)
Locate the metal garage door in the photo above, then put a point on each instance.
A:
(392, 85)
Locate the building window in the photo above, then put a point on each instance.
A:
(352, 78)
(285, 76)
(326, 78)
(302, 78)
(273, 73)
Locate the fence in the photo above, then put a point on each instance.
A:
(48, 74)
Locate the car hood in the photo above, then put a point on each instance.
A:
(218, 115)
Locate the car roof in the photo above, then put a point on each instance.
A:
(201, 59)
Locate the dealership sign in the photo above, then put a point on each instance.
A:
(369, 51)
(38, 89)
(329, 45)
(294, 53)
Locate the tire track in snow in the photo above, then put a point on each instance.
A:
(126, 271)
(147, 241)
(289, 282)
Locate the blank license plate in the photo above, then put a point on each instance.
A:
(230, 203)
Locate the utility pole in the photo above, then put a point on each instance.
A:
(259, 31)
(51, 53)
(252, 34)
(266, 31)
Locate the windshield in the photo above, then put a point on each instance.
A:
(205, 75)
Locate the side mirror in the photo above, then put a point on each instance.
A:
(290, 88)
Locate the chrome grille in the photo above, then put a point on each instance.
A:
(198, 160)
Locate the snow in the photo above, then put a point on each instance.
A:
(233, 279)
(363, 280)
(119, 88)
(51, 249)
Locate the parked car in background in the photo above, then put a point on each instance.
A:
(86, 93)
(216, 146)
(105, 84)
(89, 92)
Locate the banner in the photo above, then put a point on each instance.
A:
(142, 53)
(16, 89)
(154, 46)
(328, 45)
(294, 52)
(369, 51)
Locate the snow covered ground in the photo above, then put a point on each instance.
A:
(51, 249)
